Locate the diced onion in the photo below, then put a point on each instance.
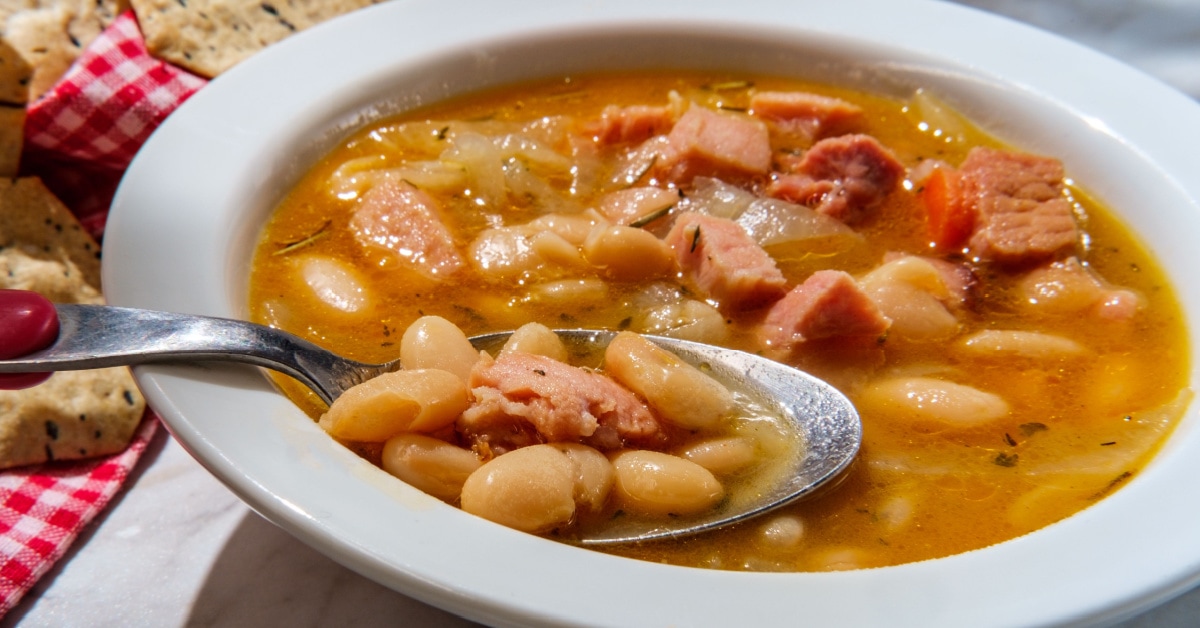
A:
(769, 221)
(772, 221)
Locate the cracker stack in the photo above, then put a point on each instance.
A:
(40, 39)
(74, 414)
(79, 414)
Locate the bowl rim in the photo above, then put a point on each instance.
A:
(225, 138)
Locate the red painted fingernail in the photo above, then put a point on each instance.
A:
(28, 322)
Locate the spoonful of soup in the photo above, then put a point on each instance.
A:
(593, 437)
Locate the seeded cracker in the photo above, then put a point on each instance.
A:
(208, 37)
(49, 35)
(75, 414)
(12, 124)
(15, 75)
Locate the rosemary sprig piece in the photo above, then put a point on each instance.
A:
(305, 241)
(651, 217)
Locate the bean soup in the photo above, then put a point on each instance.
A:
(1015, 353)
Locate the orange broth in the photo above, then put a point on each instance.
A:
(1078, 429)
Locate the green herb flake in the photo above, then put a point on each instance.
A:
(566, 95)
(1005, 460)
(305, 241)
(637, 175)
(1029, 429)
(470, 313)
(1117, 481)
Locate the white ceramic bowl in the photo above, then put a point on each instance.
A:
(186, 216)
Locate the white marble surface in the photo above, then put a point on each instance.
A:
(178, 549)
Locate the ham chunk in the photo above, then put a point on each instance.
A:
(803, 117)
(400, 221)
(632, 124)
(829, 304)
(1021, 214)
(712, 144)
(521, 399)
(844, 177)
(720, 259)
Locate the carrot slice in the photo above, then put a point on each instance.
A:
(950, 219)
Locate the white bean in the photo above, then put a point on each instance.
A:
(628, 253)
(908, 270)
(842, 559)
(431, 465)
(1062, 287)
(1114, 385)
(573, 228)
(334, 283)
(1022, 344)
(677, 391)
(570, 292)
(433, 342)
(915, 314)
(770, 437)
(782, 531)
(687, 319)
(556, 250)
(531, 489)
(421, 400)
(896, 512)
(658, 484)
(912, 292)
(722, 456)
(594, 475)
(530, 251)
(504, 253)
(1118, 305)
(1028, 511)
(927, 398)
(537, 339)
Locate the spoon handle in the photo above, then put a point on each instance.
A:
(98, 336)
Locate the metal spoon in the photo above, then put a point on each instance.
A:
(93, 336)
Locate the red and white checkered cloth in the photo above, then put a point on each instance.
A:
(81, 135)
(44, 507)
(79, 138)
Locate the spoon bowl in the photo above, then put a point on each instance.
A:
(98, 336)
